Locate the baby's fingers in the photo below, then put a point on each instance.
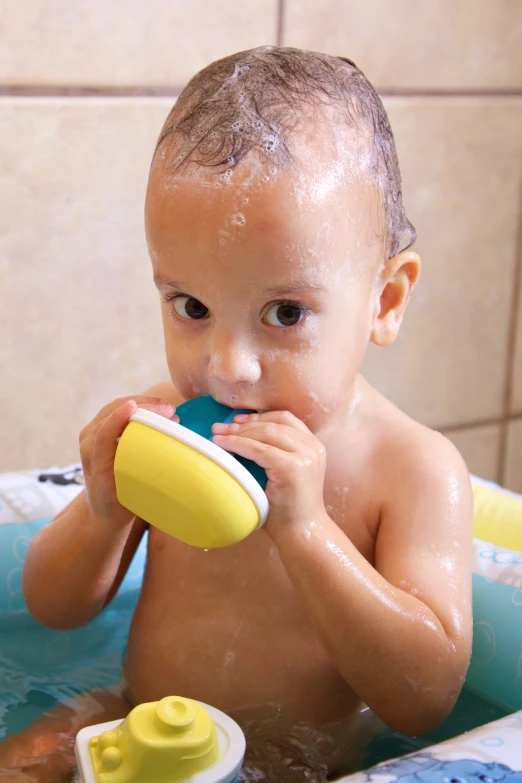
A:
(277, 417)
(140, 399)
(162, 409)
(106, 439)
(285, 438)
(112, 428)
(266, 456)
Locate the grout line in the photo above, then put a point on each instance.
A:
(82, 91)
(406, 92)
(474, 425)
(280, 19)
(136, 91)
(511, 343)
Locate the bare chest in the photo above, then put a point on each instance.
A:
(251, 573)
(212, 624)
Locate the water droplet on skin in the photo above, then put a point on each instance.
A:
(238, 219)
(230, 660)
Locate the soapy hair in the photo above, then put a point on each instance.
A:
(253, 100)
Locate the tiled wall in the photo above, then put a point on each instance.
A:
(84, 88)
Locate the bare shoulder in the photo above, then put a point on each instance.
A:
(422, 465)
(410, 459)
(166, 391)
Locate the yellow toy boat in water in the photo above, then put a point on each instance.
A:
(174, 477)
(168, 741)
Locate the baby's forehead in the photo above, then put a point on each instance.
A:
(308, 227)
(323, 187)
(326, 159)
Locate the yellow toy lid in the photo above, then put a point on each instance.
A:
(185, 485)
(204, 446)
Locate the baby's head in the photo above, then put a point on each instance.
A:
(277, 234)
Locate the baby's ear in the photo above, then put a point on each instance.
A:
(396, 282)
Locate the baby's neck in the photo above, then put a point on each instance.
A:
(347, 412)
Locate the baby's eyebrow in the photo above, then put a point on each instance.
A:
(160, 279)
(282, 289)
(302, 287)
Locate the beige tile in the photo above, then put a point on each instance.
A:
(79, 320)
(125, 42)
(461, 161)
(513, 470)
(516, 399)
(479, 447)
(78, 317)
(457, 44)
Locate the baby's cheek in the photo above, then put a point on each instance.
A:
(325, 385)
(184, 371)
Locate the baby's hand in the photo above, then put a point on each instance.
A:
(294, 460)
(98, 442)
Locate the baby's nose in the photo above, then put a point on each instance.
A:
(233, 361)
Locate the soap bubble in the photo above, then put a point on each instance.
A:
(238, 219)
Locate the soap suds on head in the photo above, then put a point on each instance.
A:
(254, 102)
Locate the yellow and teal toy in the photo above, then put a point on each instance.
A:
(174, 477)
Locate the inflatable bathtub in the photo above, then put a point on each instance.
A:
(481, 741)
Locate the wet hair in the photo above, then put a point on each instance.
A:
(254, 99)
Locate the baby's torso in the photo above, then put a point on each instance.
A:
(226, 626)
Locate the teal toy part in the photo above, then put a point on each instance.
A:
(200, 413)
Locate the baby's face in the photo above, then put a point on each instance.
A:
(268, 283)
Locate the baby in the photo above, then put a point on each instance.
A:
(276, 232)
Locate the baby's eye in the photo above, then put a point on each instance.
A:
(190, 308)
(284, 314)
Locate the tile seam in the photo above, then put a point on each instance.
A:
(81, 91)
(478, 423)
(280, 22)
(509, 376)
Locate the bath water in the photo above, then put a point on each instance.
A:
(296, 757)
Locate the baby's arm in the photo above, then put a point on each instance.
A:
(400, 632)
(75, 564)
